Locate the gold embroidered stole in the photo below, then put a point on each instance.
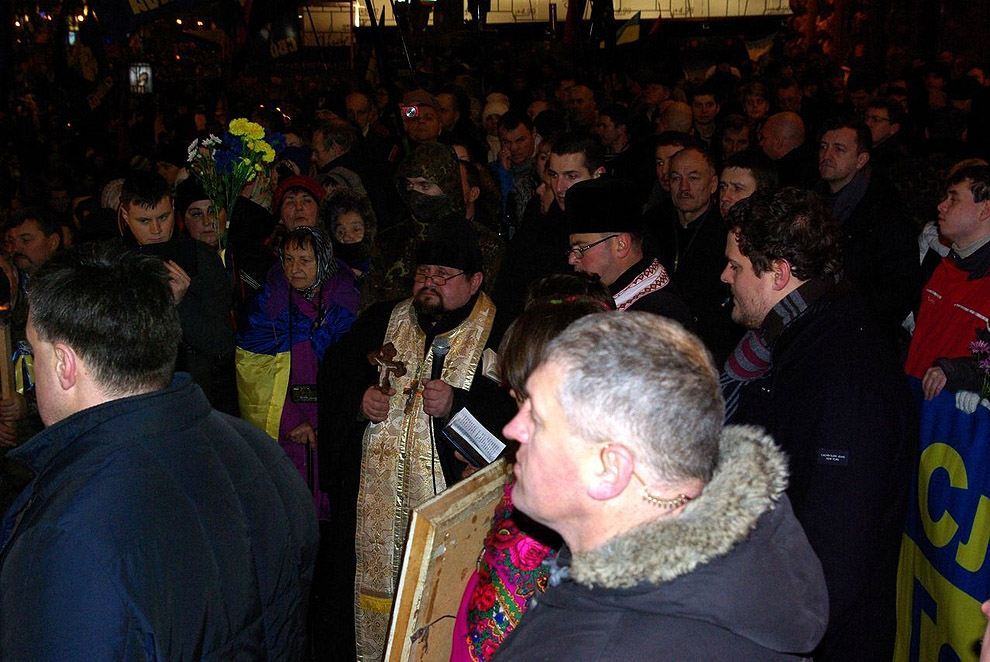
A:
(399, 465)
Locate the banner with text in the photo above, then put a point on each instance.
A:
(943, 575)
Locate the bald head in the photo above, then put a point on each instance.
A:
(675, 116)
(781, 134)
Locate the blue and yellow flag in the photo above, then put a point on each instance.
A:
(944, 574)
(628, 32)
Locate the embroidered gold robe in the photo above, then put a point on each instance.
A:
(400, 468)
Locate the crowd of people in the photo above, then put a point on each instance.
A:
(778, 244)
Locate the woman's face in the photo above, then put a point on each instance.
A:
(299, 264)
(200, 223)
(299, 208)
(349, 228)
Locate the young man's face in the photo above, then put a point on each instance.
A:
(752, 295)
(962, 220)
(734, 185)
(839, 157)
(520, 142)
(756, 107)
(566, 170)
(448, 110)
(704, 108)
(150, 225)
(881, 128)
(734, 141)
(608, 131)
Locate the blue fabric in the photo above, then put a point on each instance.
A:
(156, 528)
(272, 321)
(944, 575)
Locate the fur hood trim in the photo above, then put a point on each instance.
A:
(750, 478)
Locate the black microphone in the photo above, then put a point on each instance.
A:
(440, 347)
(448, 463)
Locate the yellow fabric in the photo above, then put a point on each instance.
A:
(262, 382)
(23, 373)
(398, 465)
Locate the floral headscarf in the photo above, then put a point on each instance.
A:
(326, 264)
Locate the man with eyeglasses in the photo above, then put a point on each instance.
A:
(606, 240)
(884, 118)
(381, 398)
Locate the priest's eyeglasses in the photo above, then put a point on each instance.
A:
(438, 279)
(579, 251)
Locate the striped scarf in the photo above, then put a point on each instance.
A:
(750, 360)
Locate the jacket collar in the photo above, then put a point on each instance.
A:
(976, 263)
(750, 478)
(182, 400)
(629, 274)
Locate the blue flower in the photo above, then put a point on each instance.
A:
(277, 141)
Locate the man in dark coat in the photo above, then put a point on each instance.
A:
(154, 527)
(690, 242)
(834, 398)
(606, 239)
(879, 245)
(540, 246)
(680, 543)
(199, 285)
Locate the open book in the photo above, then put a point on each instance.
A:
(472, 439)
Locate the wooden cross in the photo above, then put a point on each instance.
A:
(384, 359)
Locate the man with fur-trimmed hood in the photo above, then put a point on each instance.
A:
(680, 543)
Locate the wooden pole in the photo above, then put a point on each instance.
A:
(6, 366)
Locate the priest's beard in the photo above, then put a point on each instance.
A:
(428, 304)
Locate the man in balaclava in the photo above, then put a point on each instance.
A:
(429, 183)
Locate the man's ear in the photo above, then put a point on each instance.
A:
(781, 270)
(599, 171)
(623, 244)
(984, 212)
(66, 366)
(617, 465)
(862, 159)
(475, 281)
(473, 194)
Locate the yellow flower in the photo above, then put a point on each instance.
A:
(247, 129)
(238, 126)
(267, 153)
